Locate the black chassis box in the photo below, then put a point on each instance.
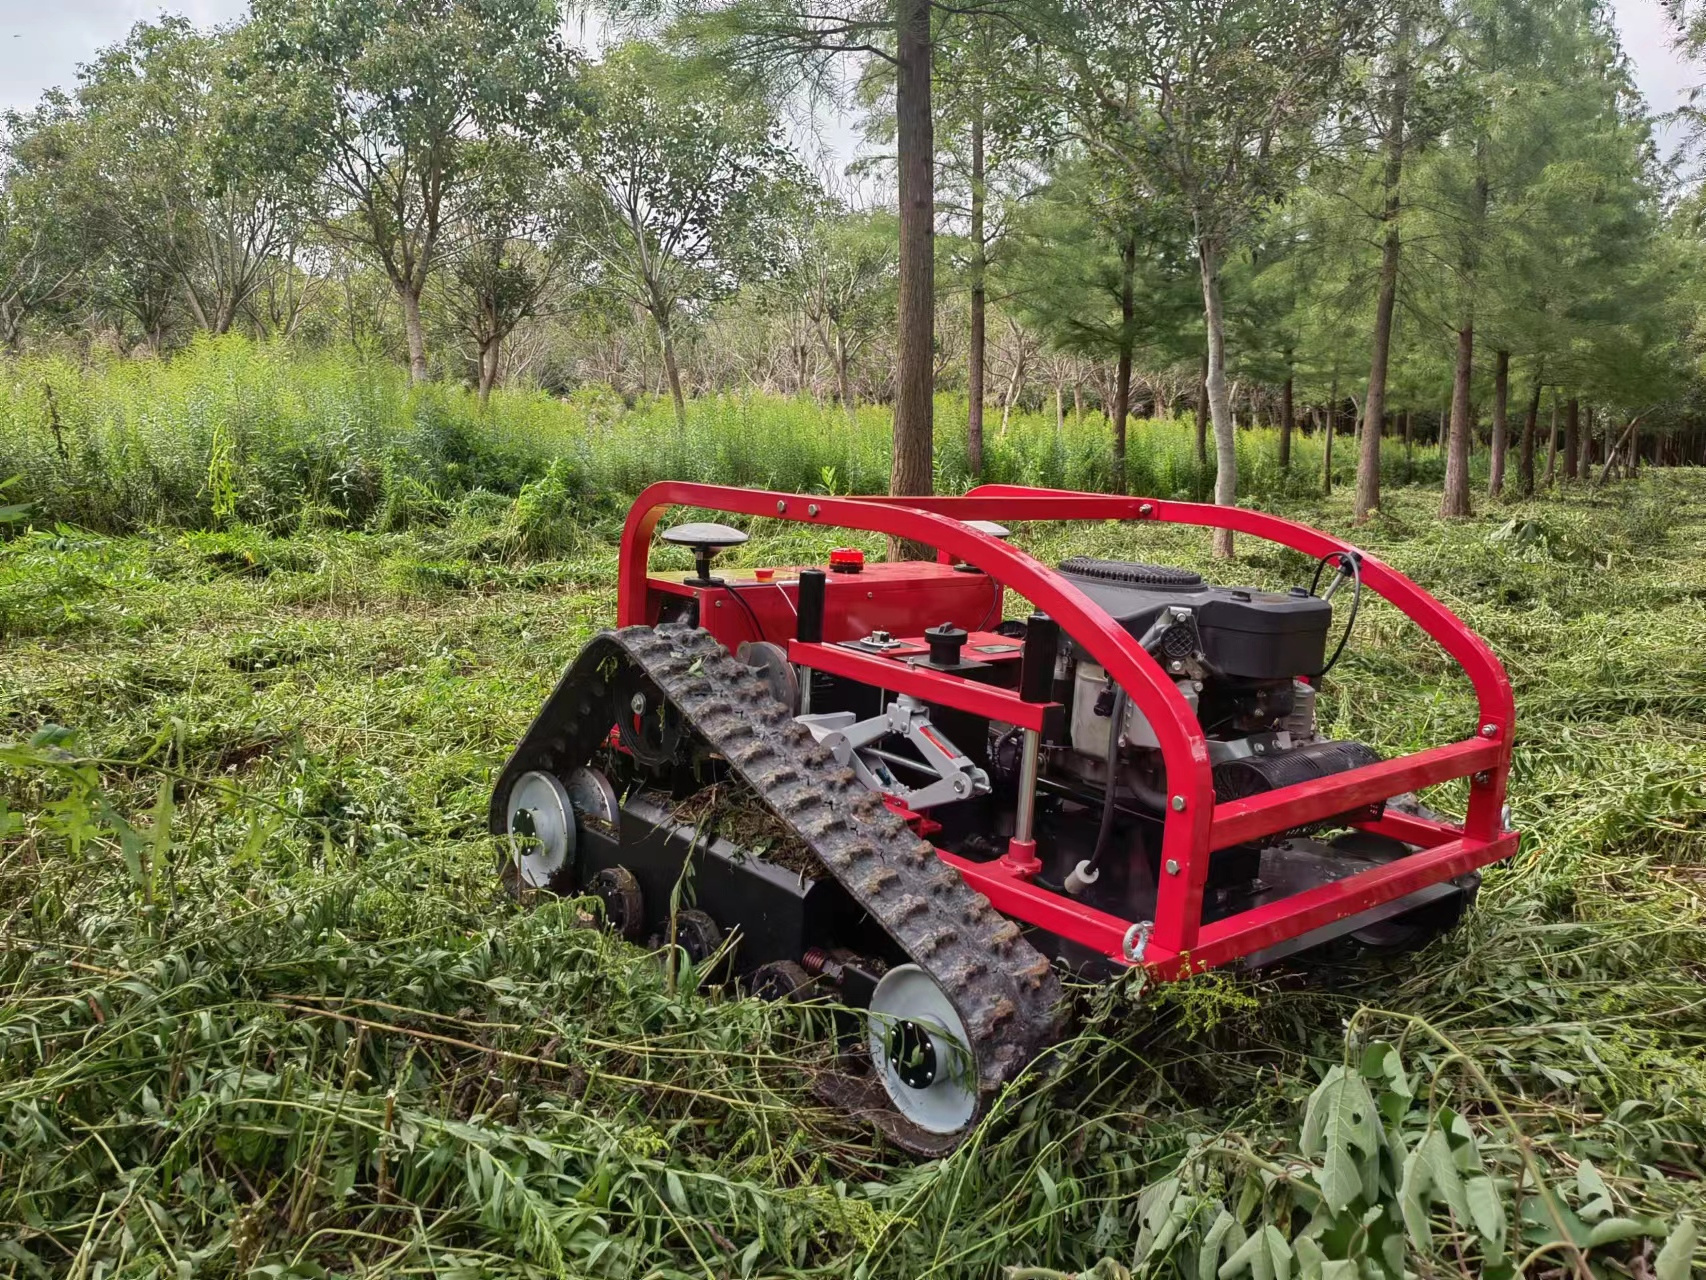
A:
(779, 914)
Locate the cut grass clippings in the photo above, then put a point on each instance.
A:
(267, 1011)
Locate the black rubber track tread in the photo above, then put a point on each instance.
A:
(1005, 991)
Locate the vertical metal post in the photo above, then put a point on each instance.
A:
(809, 625)
(1036, 683)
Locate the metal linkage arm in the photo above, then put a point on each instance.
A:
(852, 742)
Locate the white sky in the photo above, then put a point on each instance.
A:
(42, 41)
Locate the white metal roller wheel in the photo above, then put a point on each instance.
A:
(541, 828)
(919, 1050)
(592, 796)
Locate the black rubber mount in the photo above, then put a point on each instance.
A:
(778, 980)
(624, 907)
(697, 934)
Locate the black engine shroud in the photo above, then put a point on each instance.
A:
(1245, 634)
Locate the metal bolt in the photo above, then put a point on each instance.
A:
(1147, 509)
(1172, 866)
(781, 507)
(719, 604)
(870, 595)
(1176, 666)
(1482, 778)
(1489, 730)
(811, 510)
(638, 704)
(1178, 804)
(1260, 749)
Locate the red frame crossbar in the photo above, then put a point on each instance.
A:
(1194, 825)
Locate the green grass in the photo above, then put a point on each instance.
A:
(267, 1013)
(234, 432)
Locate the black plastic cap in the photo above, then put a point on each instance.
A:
(1036, 666)
(945, 643)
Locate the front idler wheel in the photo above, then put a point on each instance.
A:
(920, 1051)
(541, 835)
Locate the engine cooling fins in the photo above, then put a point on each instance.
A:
(1129, 572)
(1005, 991)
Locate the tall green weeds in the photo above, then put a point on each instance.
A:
(234, 432)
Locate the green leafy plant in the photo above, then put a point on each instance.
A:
(1382, 1175)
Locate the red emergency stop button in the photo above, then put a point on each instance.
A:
(846, 560)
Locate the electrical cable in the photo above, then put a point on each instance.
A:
(1354, 560)
(1110, 784)
(994, 607)
(757, 631)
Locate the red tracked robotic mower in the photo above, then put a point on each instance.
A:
(1131, 776)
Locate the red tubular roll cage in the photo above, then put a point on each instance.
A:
(1195, 825)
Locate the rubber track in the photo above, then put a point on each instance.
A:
(1004, 990)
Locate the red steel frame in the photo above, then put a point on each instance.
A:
(1195, 825)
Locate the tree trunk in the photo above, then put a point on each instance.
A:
(1530, 430)
(1122, 405)
(672, 374)
(1572, 437)
(1374, 411)
(915, 146)
(413, 332)
(1409, 445)
(1615, 446)
(1552, 445)
(1015, 383)
(1202, 413)
(1288, 422)
(1501, 427)
(844, 381)
(489, 352)
(1327, 451)
(1077, 404)
(1455, 500)
(1122, 388)
(1059, 409)
(979, 301)
(1220, 411)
